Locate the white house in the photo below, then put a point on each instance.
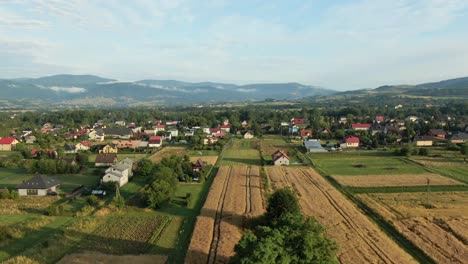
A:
(96, 135)
(39, 185)
(119, 172)
(280, 158)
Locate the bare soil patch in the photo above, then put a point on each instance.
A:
(395, 180)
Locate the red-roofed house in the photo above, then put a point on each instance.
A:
(225, 128)
(280, 158)
(297, 121)
(379, 119)
(155, 142)
(83, 145)
(351, 142)
(361, 127)
(438, 133)
(159, 128)
(8, 143)
(306, 133)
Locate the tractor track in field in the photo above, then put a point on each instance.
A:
(217, 224)
(348, 220)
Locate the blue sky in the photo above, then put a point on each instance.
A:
(341, 45)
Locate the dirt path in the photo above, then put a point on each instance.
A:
(359, 239)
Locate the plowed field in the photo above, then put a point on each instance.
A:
(359, 239)
(395, 180)
(441, 231)
(235, 194)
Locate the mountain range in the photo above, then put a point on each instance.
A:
(89, 90)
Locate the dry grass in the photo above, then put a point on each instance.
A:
(25, 205)
(395, 180)
(210, 160)
(166, 152)
(441, 230)
(359, 239)
(96, 257)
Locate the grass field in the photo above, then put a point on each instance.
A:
(166, 152)
(10, 178)
(241, 152)
(133, 156)
(356, 164)
(449, 166)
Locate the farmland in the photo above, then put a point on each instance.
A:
(210, 160)
(437, 223)
(366, 164)
(235, 194)
(166, 152)
(241, 152)
(396, 180)
(449, 166)
(359, 239)
(126, 234)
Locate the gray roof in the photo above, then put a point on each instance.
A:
(459, 136)
(39, 182)
(313, 145)
(122, 131)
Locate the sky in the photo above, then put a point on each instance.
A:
(342, 45)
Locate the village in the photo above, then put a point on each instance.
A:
(124, 167)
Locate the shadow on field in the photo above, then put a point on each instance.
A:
(48, 241)
(197, 257)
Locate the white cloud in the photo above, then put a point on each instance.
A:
(68, 89)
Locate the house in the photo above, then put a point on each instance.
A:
(210, 140)
(106, 149)
(155, 142)
(437, 133)
(379, 119)
(69, 148)
(361, 127)
(174, 132)
(120, 123)
(248, 135)
(38, 153)
(8, 143)
(30, 139)
(423, 141)
(297, 121)
(411, 118)
(279, 158)
(226, 122)
(459, 138)
(96, 135)
(39, 185)
(83, 145)
(105, 160)
(350, 142)
(226, 128)
(313, 145)
(244, 124)
(198, 166)
(119, 172)
(118, 132)
(293, 129)
(172, 123)
(306, 133)
(159, 128)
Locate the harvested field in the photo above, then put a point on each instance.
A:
(395, 180)
(166, 152)
(210, 160)
(97, 257)
(440, 229)
(359, 239)
(234, 195)
(241, 152)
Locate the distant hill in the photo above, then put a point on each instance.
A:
(84, 89)
(453, 89)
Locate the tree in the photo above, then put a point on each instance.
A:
(283, 201)
(145, 167)
(464, 151)
(289, 238)
(5, 193)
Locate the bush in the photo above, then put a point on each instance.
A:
(5, 194)
(423, 152)
(92, 200)
(54, 210)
